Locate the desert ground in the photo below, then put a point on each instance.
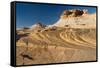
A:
(57, 44)
(62, 45)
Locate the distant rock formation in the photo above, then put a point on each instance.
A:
(37, 27)
(76, 18)
(73, 13)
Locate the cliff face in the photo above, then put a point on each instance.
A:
(77, 19)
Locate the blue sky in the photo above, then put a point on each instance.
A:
(29, 14)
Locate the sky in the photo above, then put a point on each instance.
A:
(28, 14)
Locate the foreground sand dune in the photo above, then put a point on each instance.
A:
(56, 46)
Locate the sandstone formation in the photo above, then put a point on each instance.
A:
(76, 19)
(71, 39)
(73, 13)
(37, 27)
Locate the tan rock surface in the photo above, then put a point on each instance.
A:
(72, 39)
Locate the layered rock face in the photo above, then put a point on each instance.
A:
(71, 39)
(77, 19)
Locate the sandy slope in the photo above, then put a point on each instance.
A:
(60, 45)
